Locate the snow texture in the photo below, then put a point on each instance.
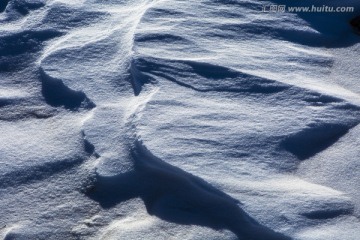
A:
(163, 119)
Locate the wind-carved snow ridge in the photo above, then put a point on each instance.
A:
(18, 47)
(163, 187)
(177, 196)
(203, 77)
(137, 78)
(32, 174)
(43, 171)
(314, 139)
(207, 78)
(57, 94)
(200, 105)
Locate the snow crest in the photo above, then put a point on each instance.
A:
(177, 120)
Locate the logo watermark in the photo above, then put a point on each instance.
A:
(308, 9)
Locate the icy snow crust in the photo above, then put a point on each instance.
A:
(177, 120)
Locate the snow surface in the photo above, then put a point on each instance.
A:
(161, 119)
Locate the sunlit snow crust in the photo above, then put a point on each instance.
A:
(177, 120)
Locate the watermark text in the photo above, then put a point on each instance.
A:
(308, 9)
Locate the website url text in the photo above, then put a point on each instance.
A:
(312, 9)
